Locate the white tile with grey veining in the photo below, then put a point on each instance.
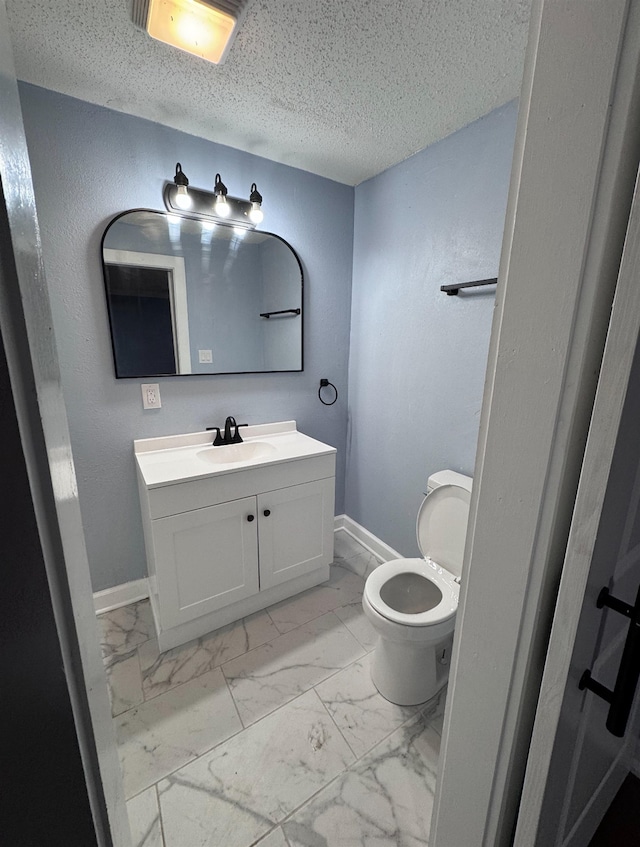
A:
(239, 791)
(125, 681)
(274, 839)
(385, 799)
(361, 714)
(165, 733)
(144, 819)
(362, 564)
(355, 620)
(367, 563)
(163, 671)
(343, 587)
(126, 627)
(438, 724)
(345, 547)
(271, 675)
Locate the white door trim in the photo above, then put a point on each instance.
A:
(567, 211)
(177, 295)
(612, 389)
(42, 419)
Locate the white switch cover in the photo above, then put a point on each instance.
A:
(205, 356)
(150, 395)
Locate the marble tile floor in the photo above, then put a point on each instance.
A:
(269, 732)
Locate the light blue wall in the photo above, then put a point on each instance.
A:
(90, 163)
(413, 359)
(418, 356)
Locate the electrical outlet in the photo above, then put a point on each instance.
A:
(205, 357)
(151, 396)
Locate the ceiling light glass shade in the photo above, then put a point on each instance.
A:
(193, 26)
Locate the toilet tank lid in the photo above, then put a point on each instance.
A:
(447, 477)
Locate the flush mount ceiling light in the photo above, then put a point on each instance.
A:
(216, 205)
(205, 28)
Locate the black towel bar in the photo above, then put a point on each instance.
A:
(454, 287)
(281, 312)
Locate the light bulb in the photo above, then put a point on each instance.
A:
(255, 198)
(256, 215)
(221, 207)
(183, 200)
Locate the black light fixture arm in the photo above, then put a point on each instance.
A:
(180, 178)
(219, 188)
(255, 196)
(621, 698)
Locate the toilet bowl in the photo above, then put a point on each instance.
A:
(412, 603)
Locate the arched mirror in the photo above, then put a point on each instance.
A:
(187, 296)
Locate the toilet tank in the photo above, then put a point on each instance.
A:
(448, 478)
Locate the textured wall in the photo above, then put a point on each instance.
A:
(90, 163)
(418, 357)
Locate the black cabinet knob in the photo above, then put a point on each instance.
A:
(250, 518)
(266, 513)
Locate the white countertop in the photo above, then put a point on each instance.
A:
(179, 458)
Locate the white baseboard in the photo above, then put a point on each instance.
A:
(120, 595)
(368, 540)
(131, 592)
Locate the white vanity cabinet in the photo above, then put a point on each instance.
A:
(223, 544)
(205, 559)
(292, 533)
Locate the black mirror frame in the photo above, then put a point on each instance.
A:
(224, 373)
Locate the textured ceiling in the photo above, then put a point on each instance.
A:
(342, 88)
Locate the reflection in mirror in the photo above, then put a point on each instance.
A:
(193, 297)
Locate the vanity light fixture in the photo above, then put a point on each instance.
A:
(183, 200)
(256, 214)
(212, 206)
(205, 28)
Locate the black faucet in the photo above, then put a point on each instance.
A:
(229, 436)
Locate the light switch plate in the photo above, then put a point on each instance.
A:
(150, 395)
(205, 357)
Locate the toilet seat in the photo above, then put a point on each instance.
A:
(441, 529)
(443, 610)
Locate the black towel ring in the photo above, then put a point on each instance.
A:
(323, 384)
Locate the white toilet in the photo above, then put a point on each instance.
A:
(412, 603)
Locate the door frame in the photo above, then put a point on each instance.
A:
(575, 161)
(174, 265)
(32, 358)
(622, 340)
(574, 148)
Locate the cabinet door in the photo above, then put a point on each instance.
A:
(205, 559)
(295, 530)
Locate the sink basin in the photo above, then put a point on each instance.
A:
(229, 454)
